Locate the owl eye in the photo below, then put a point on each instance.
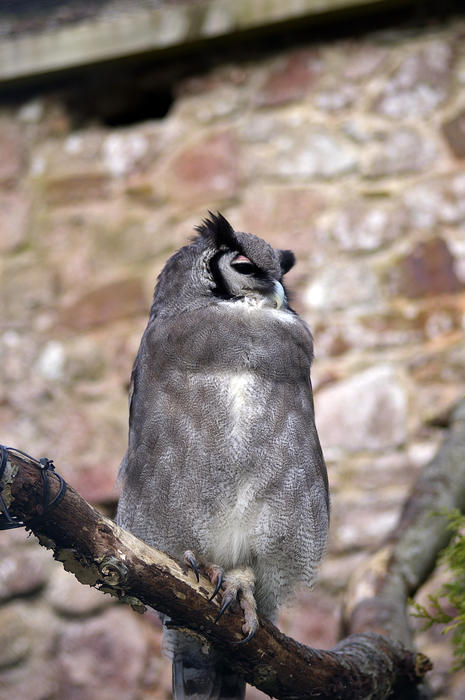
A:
(243, 265)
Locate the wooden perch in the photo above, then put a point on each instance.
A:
(103, 555)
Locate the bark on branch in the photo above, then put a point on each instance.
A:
(101, 554)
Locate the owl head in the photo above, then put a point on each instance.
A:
(222, 264)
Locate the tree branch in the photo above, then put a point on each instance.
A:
(103, 555)
(377, 593)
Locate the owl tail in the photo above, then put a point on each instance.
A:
(200, 673)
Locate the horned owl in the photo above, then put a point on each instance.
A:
(224, 466)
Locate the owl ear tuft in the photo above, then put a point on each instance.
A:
(287, 260)
(218, 229)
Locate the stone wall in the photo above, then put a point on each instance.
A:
(351, 152)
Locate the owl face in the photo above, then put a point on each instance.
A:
(222, 265)
(243, 266)
(237, 277)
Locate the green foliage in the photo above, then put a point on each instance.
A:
(452, 594)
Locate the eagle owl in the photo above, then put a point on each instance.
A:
(224, 466)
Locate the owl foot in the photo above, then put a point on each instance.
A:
(213, 572)
(238, 591)
(238, 587)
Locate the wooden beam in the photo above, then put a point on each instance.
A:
(154, 31)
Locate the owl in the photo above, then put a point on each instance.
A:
(224, 467)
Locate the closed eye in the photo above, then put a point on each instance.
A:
(244, 266)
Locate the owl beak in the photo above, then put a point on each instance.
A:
(278, 294)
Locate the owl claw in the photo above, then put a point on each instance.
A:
(216, 575)
(248, 638)
(217, 587)
(190, 560)
(227, 600)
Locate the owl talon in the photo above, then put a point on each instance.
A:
(217, 587)
(248, 638)
(191, 561)
(216, 575)
(228, 599)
